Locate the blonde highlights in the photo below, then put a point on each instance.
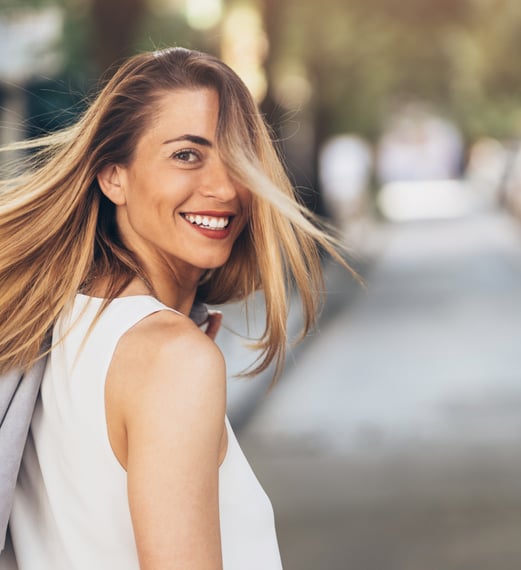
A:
(58, 230)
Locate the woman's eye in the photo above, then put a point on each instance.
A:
(188, 156)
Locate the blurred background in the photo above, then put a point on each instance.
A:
(392, 439)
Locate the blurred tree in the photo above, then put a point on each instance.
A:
(363, 57)
(115, 25)
(494, 104)
(358, 58)
(99, 33)
(96, 32)
(96, 35)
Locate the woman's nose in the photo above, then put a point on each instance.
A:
(218, 183)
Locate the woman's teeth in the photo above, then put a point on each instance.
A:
(208, 222)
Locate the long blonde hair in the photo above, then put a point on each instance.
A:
(58, 230)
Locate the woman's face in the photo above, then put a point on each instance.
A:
(178, 206)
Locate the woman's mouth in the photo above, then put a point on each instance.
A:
(208, 222)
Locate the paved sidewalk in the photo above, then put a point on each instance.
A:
(392, 442)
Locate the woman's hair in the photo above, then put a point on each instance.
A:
(58, 230)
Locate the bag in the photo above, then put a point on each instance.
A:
(18, 393)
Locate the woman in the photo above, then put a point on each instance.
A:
(167, 192)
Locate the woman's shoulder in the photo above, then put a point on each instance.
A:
(166, 375)
(167, 352)
(166, 339)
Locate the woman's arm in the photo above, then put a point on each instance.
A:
(166, 397)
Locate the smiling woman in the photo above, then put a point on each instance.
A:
(178, 209)
(167, 194)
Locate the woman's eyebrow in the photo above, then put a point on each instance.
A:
(191, 138)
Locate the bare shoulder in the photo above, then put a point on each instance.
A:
(163, 345)
(165, 368)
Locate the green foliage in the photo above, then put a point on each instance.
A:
(361, 57)
(364, 57)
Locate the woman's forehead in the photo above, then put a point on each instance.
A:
(185, 111)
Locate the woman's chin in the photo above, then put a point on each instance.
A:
(213, 262)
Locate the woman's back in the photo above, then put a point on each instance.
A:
(71, 507)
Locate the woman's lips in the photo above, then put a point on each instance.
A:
(215, 225)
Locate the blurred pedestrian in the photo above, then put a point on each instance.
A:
(418, 145)
(488, 163)
(167, 193)
(345, 165)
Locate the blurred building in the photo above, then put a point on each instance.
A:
(419, 145)
(419, 166)
(29, 43)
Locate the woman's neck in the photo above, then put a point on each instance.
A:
(179, 298)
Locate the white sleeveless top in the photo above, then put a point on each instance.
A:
(71, 508)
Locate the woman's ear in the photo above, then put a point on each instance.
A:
(111, 182)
